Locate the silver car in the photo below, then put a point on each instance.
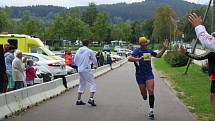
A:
(55, 67)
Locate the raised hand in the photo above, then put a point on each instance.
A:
(195, 20)
(165, 43)
(182, 50)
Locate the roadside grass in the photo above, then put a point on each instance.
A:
(193, 89)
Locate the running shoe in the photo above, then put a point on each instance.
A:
(145, 97)
(80, 102)
(151, 115)
(91, 102)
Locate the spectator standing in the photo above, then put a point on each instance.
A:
(105, 58)
(6, 47)
(97, 57)
(3, 74)
(68, 57)
(101, 59)
(18, 70)
(109, 60)
(9, 57)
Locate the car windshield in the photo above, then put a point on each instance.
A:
(47, 51)
(45, 57)
(41, 50)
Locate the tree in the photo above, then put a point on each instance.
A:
(147, 28)
(56, 28)
(137, 31)
(34, 27)
(30, 25)
(5, 21)
(74, 12)
(163, 24)
(101, 28)
(122, 31)
(90, 14)
(187, 29)
(127, 30)
(76, 29)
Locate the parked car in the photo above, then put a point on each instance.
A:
(128, 52)
(70, 70)
(115, 58)
(188, 46)
(116, 48)
(106, 48)
(124, 52)
(55, 67)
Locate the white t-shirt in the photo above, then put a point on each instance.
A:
(84, 57)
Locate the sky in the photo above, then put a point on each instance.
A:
(72, 3)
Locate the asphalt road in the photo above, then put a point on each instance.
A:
(117, 98)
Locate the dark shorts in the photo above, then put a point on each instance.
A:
(213, 86)
(141, 78)
(19, 85)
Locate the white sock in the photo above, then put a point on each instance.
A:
(151, 109)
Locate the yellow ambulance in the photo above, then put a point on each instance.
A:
(27, 44)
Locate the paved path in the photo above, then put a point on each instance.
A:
(118, 99)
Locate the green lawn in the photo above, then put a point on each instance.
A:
(193, 88)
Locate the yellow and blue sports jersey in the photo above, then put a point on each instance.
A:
(143, 67)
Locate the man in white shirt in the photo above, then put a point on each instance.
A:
(83, 59)
(207, 40)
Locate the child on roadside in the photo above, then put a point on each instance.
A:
(30, 73)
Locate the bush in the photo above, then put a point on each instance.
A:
(176, 59)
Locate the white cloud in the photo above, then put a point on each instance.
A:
(199, 1)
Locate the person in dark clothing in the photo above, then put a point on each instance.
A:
(211, 69)
(101, 59)
(109, 60)
(97, 57)
(3, 74)
(9, 57)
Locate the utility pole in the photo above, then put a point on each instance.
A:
(213, 27)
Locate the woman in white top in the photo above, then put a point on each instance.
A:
(18, 70)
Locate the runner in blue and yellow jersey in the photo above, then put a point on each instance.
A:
(144, 76)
